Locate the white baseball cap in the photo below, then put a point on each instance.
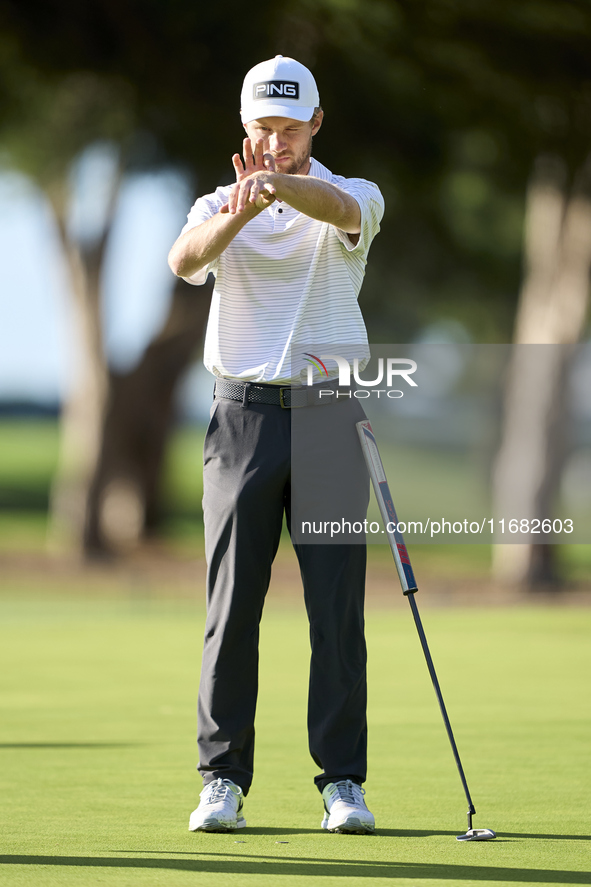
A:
(279, 87)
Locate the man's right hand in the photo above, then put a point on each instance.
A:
(200, 245)
(254, 161)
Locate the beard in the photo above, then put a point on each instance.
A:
(297, 163)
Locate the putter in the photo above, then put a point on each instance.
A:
(409, 588)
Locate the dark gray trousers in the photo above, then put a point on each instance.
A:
(247, 488)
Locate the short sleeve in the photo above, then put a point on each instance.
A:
(203, 209)
(371, 204)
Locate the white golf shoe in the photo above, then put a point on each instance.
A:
(345, 809)
(219, 809)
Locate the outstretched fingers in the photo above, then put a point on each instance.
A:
(248, 154)
(258, 154)
(238, 167)
(252, 179)
(254, 160)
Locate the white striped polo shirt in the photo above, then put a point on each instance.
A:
(285, 279)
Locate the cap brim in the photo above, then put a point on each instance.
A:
(262, 109)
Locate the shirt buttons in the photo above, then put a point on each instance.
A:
(279, 210)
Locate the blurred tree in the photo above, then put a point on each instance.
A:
(552, 309)
(114, 426)
(446, 103)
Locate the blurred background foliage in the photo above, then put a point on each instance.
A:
(448, 104)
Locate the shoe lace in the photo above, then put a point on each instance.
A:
(349, 792)
(220, 789)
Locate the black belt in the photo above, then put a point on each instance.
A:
(285, 397)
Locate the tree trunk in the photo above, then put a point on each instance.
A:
(124, 499)
(114, 427)
(552, 310)
(83, 410)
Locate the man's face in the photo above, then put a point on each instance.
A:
(288, 141)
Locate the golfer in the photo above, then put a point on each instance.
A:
(287, 244)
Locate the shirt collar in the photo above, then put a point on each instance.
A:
(319, 171)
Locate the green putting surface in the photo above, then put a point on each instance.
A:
(97, 749)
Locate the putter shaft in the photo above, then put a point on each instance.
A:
(438, 693)
(407, 579)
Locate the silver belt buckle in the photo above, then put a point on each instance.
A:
(282, 403)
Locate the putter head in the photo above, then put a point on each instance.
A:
(477, 834)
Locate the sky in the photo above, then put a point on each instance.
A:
(37, 356)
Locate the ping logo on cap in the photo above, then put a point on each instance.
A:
(286, 89)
